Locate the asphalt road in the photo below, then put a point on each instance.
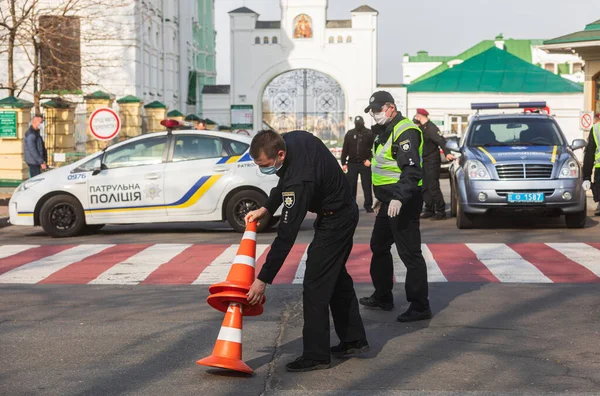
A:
(485, 338)
(489, 230)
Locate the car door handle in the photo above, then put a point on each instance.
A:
(221, 168)
(152, 176)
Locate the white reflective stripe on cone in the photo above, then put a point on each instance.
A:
(249, 235)
(246, 260)
(230, 334)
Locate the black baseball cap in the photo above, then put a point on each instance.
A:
(378, 100)
(359, 119)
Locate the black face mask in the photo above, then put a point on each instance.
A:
(416, 122)
(359, 125)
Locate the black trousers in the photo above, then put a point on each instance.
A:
(327, 285)
(34, 170)
(355, 169)
(432, 193)
(404, 231)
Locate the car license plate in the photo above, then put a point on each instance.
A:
(526, 197)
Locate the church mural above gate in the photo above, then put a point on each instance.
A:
(303, 26)
(309, 100)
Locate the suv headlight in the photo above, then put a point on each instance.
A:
(28, 184)
(476, 170)
(569, 170)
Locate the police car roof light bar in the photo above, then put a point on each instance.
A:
(508, 105)
(168, 123)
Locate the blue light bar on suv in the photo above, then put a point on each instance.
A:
(508, 105)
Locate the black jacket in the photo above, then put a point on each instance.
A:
(310, 180)
(432, 142)
(34, 150)
(357, 145)
(589, 157)
(409, 162)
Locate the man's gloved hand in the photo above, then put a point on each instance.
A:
(586, 185)
(394, 208)
(376, 205)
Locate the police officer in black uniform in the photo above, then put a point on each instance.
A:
(356, 160)
(310, 179)
(433, 141)
(397, 183)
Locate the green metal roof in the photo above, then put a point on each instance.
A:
(155, 105)
(496, 71)
(17, 103)
(423, 56)
(129, 99)
(98, 95)
(590, 33)
(519, 48)
(175, 113)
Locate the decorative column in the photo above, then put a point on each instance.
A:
(130, 112)
(59, 123)
(175, 115)
(15, 116)
(93, 102)
(210, 124)
(193, 118)
(155, 113)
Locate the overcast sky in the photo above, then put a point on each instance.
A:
(442, 27)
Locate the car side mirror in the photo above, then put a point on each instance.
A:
(98, 166)
(452, 146)
(578, 144)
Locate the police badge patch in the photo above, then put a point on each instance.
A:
(405, 145)
(289, 199)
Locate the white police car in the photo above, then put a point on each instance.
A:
(172, 176)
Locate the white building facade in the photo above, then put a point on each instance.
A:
(157, 50)
(302, 71)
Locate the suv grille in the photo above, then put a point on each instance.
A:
(524, 171)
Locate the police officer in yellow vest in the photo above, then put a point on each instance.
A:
(591, 161)
(397, 173)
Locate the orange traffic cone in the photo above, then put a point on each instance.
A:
(240, 278)
(227, 353)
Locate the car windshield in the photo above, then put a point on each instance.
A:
(515, 132)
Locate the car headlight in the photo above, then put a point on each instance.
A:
(569, 170)
(28, 184)
(476, 170)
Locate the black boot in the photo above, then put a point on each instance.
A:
(373, 303)
(350, 348)
(301, 365)
(413, 316)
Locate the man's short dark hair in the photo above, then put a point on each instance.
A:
(38, 115)
(201, 121)
(266, 141)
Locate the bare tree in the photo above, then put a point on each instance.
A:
(13, 14)
(67, 43)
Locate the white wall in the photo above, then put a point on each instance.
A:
(217, 108)
(414, 70)
(564, 107)
(542, 57)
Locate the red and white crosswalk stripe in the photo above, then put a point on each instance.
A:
(185, 264)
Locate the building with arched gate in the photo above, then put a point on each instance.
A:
(300, 72)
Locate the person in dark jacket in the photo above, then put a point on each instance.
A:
(34, 150)
(433, 141)
(356, 160)
(591, 162)
(310, 179)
